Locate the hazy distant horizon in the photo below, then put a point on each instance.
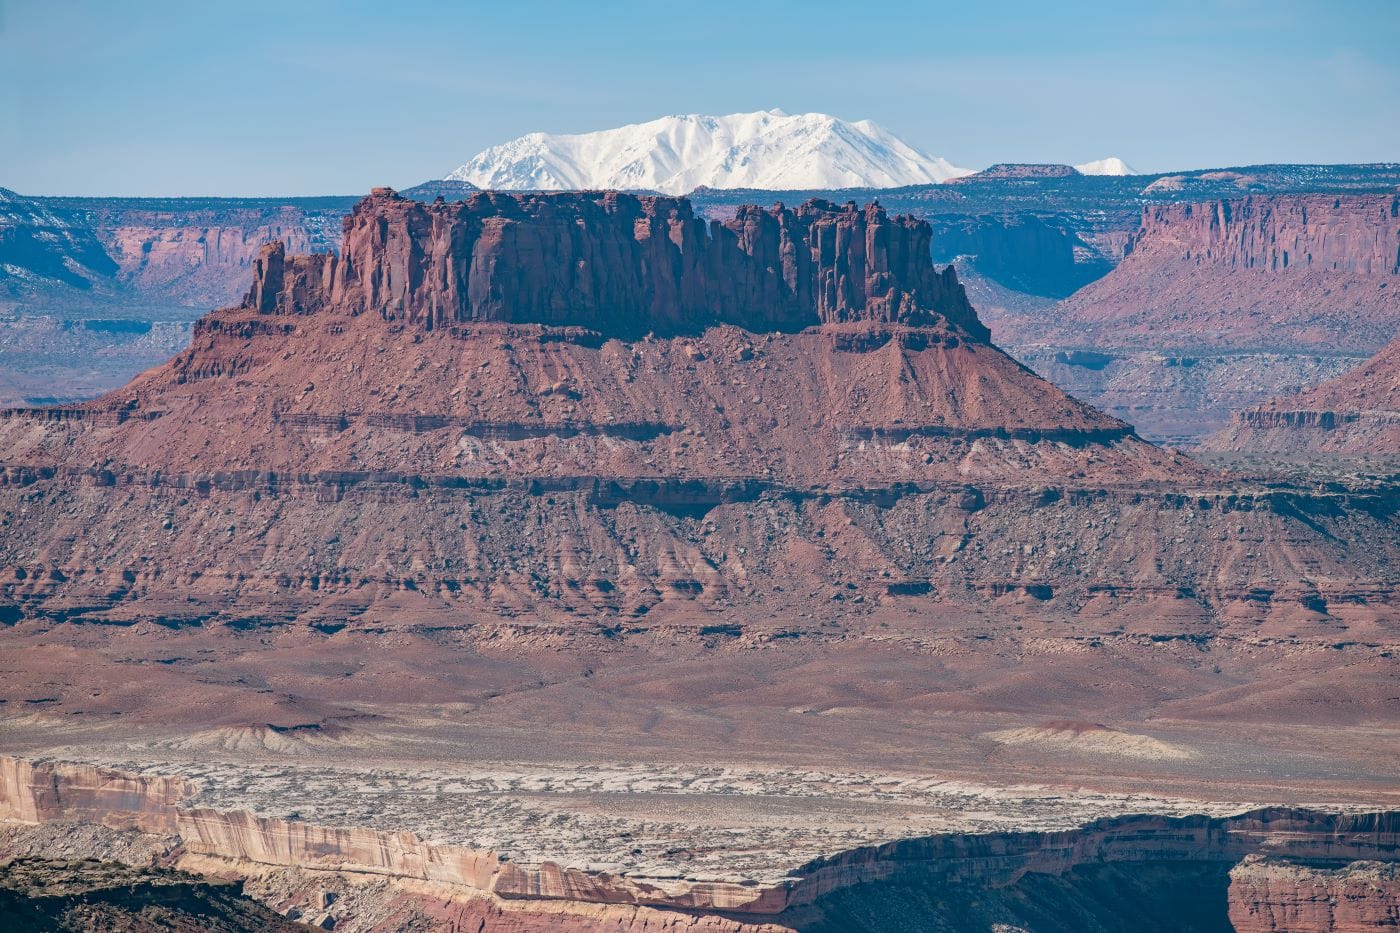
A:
(282, 195)
(323, 98)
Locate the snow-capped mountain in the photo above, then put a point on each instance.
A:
(1110, 166)
(769, 149)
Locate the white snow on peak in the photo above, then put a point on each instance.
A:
(1110, 166)
(768, 149)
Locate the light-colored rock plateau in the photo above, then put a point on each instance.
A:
(1007, 834)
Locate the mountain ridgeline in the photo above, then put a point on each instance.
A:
(676, 154)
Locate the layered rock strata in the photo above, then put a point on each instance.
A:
(37, 793)
(43, 793)
(404, 380)
(1221, 305)
(501, 318)
(1271, 895)
(1357, 414)
(1276, 272)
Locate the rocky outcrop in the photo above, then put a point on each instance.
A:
(62, 894)
(39, 792)
(990, 860)
(54, 792)
(1353, 234)
(313, 409)
(619, 264)
(524, 319)
(310, 422)
(1356, 414)
(246, 838)
(1273, 895)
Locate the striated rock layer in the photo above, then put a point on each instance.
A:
(349, 400)
(1220, 305)
(1357, 414)
(1271, 895)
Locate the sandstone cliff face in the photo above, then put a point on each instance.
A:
(334, 427)
(989, 860)
(1221, 305)
(1273, 895)
(59, 792)
(619, 264)
(205, 257)
(499, 319)
(1304, 271)
(244, 837)
(53, 791)
(1353, 234)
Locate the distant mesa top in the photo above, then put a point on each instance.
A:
(676, 154)
(1021, 170)
(1037, 170)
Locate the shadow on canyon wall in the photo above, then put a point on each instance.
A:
(1176, 896)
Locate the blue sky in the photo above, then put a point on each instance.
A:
(316, 97)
